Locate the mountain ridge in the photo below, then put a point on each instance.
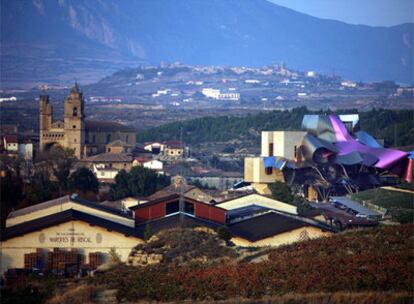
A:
(232, 32)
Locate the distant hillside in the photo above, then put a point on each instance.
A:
(58, 41)
(394, 126)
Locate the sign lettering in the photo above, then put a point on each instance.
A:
(69, 237)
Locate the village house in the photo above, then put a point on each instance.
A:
(107, 165)
(171, 149)
(10, 144)
(118, 146)
(13, 146)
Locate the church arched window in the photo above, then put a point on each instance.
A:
(75, 111)
(108, 138)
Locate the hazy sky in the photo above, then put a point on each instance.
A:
(369, 12)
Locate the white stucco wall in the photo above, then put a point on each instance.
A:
(72, 234)
(153, 164)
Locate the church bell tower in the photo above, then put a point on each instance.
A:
(45, 113)
(74, 121)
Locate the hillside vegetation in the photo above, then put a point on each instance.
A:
(394, 126)
(182, 246)
(367, 261)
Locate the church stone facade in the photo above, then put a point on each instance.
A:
(85, 137)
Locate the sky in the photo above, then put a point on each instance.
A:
(368, 12)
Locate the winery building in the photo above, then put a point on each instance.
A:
(42, 234)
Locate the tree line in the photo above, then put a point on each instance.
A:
(139, 181)
(394, 126)
(51, 175)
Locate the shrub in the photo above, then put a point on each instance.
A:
(114, 257)
(79, 295)
(224, 233)
(147, 232)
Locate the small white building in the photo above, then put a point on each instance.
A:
(104, 174)
(155, 147)
(252, 81)
(217, 94)
(3, 99)
(349, 84)
(154, 165)
(26, 150)
(10, 143)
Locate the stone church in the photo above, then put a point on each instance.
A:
(85, 137)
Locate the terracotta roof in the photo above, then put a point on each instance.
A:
(142, 159)
(171, 189)
(110, 158)
(104, 126)
(106, 169)
(175, 144)
(11, 138)
(229, 196)
(119, 143)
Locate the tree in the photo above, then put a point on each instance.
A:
(197, 183)
(214, 161)
(147, 232)
(228, 149)
(138, 182)
(83, 180)
(121, 188)
(60, 162)
(41, 188)
(114, 257)
(281, 192)
(224, 233)
(142, 181)
(10, 193)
